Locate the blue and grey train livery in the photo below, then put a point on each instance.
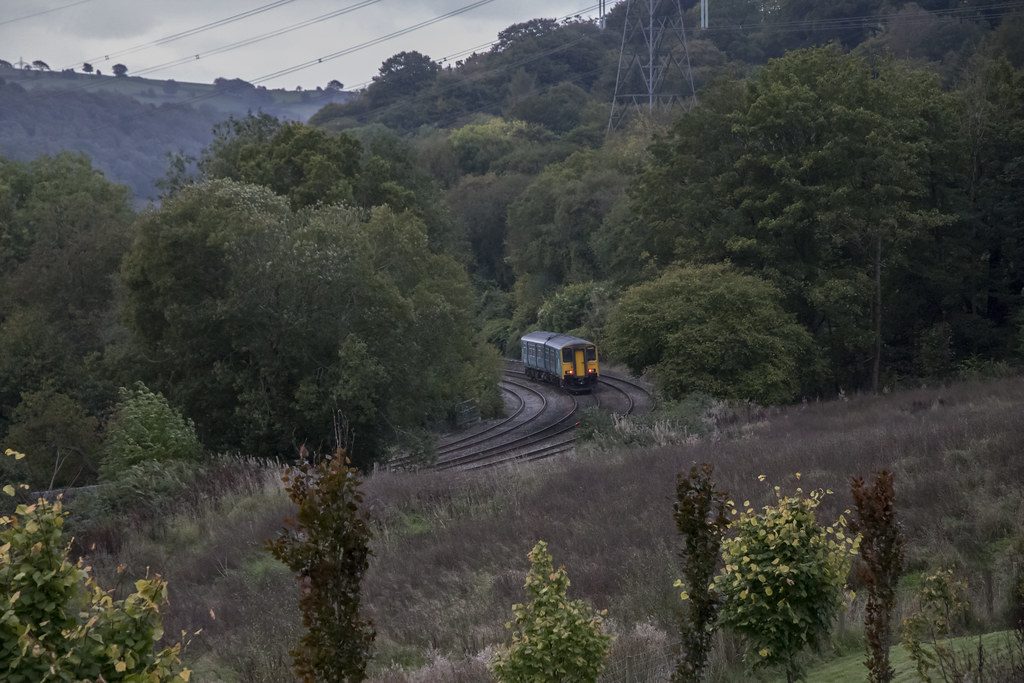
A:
(569, 362)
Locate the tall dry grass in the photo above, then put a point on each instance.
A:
(450, 549)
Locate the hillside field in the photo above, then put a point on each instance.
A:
(450, 550)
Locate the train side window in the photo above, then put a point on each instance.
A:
(566, 355)
(591, 353)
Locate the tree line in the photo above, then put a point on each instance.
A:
(836, 220)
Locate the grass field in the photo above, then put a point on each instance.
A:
(450, 549)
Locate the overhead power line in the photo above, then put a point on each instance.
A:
(189, 32)
(375, 41)
(42, 12)
(256, 39)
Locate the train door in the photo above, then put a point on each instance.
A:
(579, 366)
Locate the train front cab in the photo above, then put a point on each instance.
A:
(579, 366)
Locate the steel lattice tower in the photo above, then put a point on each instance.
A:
(654, 63)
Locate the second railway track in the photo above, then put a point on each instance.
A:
(541, 421)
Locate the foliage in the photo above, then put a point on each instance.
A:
(61, 436)
(701, 516)
(480, 145)
(311, 166)
(327, 545)
(818, 175)
(554, 639)
(783, 579)
(711, 329)
(551, 223)
(143, 428)
(261, 323)
(63, 232)
(882, 549)
(940, 605)
(577, 309)
(57, 624)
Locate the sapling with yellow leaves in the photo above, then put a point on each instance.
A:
(56, 624)
(784, 578)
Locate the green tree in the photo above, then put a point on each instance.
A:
(554, 640)
(402, 76)
(882, 549)
(701, 516)
(261, 324)
(144, 427)
(578, 309)
(481, 145)
(816, 174)
(63, 231)
(304, 164)
(60, 434)
(711, 329)
(327, 545)
(57, 624)
(783, 579)
(234, 139)
(479, 205)
(551, 223)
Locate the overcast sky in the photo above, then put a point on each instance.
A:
(174, 39)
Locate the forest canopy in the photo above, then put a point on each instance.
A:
(839, 202)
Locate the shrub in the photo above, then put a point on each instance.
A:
(146, 427)
(940, 604)
(327, 545)
(701, 515)
(60, 435)
(783, 579)
(711, 329)
(882, 549)
(57, 624)
(554, 640)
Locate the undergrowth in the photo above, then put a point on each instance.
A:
(448, 546)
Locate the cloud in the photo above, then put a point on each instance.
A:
(97, 28)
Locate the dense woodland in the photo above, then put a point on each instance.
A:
(836, 208)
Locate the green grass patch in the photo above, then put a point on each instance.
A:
(999, 648)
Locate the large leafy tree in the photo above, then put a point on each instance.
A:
(711, 329)
(63, 230)
(262, 324)
(974, 276)
(553, 222)
(308, 165)
(816, 174)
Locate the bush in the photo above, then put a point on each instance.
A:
(783, 579)
(714, 330)
(146, 427)
(327, 545)
(554, 640)
(60, 435)
(57, 624)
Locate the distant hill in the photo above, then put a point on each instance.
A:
(129, 125)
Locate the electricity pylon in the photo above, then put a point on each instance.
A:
(654, 63)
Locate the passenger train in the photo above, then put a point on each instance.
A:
(569, 362)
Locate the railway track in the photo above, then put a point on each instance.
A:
(541, 422)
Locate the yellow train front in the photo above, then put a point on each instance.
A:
(569, 362)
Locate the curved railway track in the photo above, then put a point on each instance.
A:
(541, 421)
